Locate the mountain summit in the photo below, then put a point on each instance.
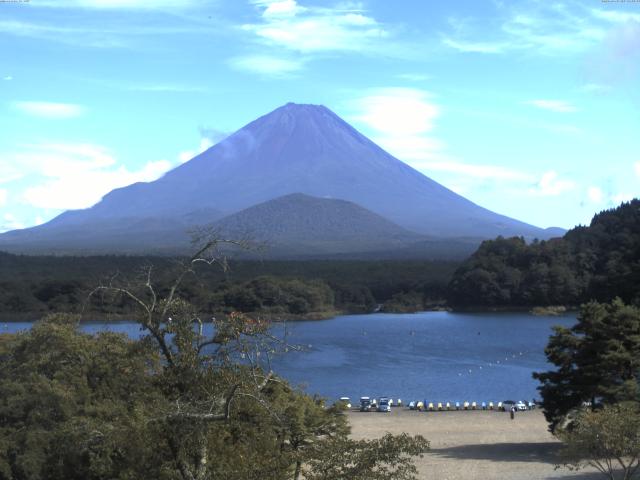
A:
(296, 148)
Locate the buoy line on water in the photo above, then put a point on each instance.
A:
(498, 363)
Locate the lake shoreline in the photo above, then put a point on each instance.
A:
(311, 316)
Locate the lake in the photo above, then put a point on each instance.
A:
(437, 356)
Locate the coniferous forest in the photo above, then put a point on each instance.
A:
(598, 262)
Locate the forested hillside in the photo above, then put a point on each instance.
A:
(31, 286)
(598, 262)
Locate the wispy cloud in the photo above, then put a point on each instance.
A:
(315, 29)
(117, 4)
(267, 65)
(619, 198)
(546, 28)
(559, 106)
(478, 171)
(208, 138)
(474, 47)
(551, 185)
(9, 222)
(171, 88)
(594, 88)
(50, 110)
(95, 34)
(4, 194)
(615, 16)
(414, 77)
(96, 37)
(7, 78)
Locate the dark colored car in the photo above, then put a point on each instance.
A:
(365, 404)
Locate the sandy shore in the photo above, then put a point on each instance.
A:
(475, 444)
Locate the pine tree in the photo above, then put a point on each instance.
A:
(597, 360)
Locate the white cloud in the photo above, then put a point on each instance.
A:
(9, 222)
(315, 29)
(595, 194)
(3, 197)
(402, 119)
(50, 109)
(7, 78)
(474, 47)
(550, 185)
(266, 64)
(559, 106)
(71, 176)
(38, 220)
(186, 155)
(280, 8)
(84, 189)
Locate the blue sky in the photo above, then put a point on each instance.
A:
(529, 108)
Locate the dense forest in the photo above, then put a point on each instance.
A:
(598, 262)
(34, 285)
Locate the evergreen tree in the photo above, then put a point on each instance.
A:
(597, 360)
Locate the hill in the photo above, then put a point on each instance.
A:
(299, 225)
(596, 262)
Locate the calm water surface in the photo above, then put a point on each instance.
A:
(438, 356)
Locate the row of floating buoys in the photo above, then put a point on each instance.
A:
(496, 363)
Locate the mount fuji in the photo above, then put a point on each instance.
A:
(295, 149)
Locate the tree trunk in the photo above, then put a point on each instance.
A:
(296, 474)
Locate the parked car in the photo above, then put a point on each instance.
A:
(365, 404)
(521, 406)
(507, 405)
(346, 402)
(384, 404)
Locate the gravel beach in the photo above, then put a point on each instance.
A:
(470, 445)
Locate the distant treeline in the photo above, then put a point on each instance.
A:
(598, 262)
(33, 285)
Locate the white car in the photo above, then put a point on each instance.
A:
(384, 405)
(521, 406)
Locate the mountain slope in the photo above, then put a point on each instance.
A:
(299, 224)
(295, 148)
